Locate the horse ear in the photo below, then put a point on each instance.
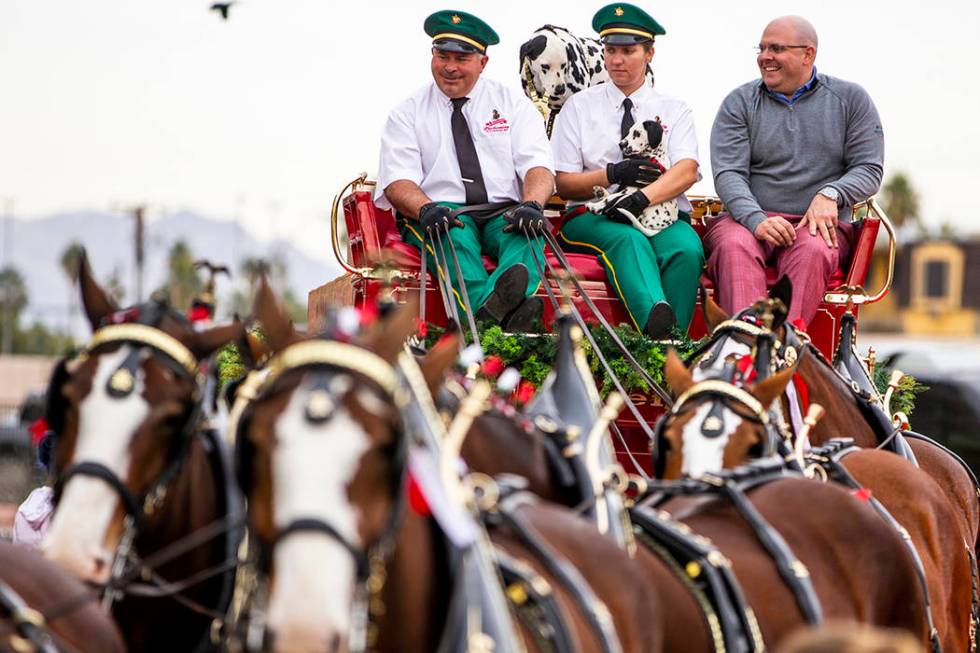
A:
(713, 313)
(389, 335)
(276, 325)
(772, 388)
(96, 301)
(783, 291)
(204, 342)
(678, 376)
(253, 351)
(439, 359)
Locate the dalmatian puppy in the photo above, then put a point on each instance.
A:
(644, 140)
(555, 64)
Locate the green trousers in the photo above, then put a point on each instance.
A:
(643, 270)
(471, 241)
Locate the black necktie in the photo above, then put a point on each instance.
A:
(469, 162)
(627, 118)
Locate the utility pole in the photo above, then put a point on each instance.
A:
(139, 213)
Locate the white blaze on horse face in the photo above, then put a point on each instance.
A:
(106, 426)
(314, 576)
(703, 455)
(731, 346)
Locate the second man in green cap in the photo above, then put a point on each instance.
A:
(656, 276)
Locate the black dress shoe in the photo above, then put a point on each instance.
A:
(660, 321)
(507, 294)
(522, 319)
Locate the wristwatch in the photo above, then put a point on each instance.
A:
(830, 193)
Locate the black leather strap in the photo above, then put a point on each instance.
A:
(132, 505)
(565, 573)
(706, 572)
(317, 525)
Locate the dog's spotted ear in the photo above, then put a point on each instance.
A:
(532, 49)
(655, 132)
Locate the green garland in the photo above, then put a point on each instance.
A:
(903, 399)
(531, 354)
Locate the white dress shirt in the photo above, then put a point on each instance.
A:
(417, 143)
(586, 133)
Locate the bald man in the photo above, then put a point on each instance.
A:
(791, 154)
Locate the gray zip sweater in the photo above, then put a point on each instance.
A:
(767, 156)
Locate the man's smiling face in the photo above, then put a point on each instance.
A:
(790, 69)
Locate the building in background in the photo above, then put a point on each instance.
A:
(936, 289)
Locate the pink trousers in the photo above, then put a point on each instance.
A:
(737, 263)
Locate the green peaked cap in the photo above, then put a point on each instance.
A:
(458, 31)
(625, 24)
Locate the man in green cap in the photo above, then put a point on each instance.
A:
(467, 142)
(656, 276)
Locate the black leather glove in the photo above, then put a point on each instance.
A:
(526, 216)
(634, 203)
(435, 216)
(632, 172)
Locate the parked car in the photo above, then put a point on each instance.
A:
(949, 411)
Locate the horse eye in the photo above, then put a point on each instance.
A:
(545, 67)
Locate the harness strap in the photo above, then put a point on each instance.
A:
(830, 459)
(133, 507)
(793, 572)
(30, 629)
(535, 605)
(316, 525)
(594, 610)
(707, 573)
(733, 485)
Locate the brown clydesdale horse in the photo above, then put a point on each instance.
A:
(323, 448)
(910, 495)
(844, 416)
(137, 474)
(45, 606)
(876, 584)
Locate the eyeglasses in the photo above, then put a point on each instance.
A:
(777, 48)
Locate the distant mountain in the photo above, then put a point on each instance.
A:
(35, 247)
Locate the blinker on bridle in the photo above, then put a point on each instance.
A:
(121, 383)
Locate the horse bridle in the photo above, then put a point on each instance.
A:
(723, 393)
(176, 356)
(322, 357)
(787, 351)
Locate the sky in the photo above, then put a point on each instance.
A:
(264, 117)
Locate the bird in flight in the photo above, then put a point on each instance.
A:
(222, 8)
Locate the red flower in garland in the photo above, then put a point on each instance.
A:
(492, 366)
(524, 392)
(422, 328)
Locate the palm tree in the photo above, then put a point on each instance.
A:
(13, 299)
(114, 286)
(901, 200)
(182, 280)
(71, 259)
(252, 268)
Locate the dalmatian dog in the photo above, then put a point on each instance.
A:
(555, 64)
(644, 140)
